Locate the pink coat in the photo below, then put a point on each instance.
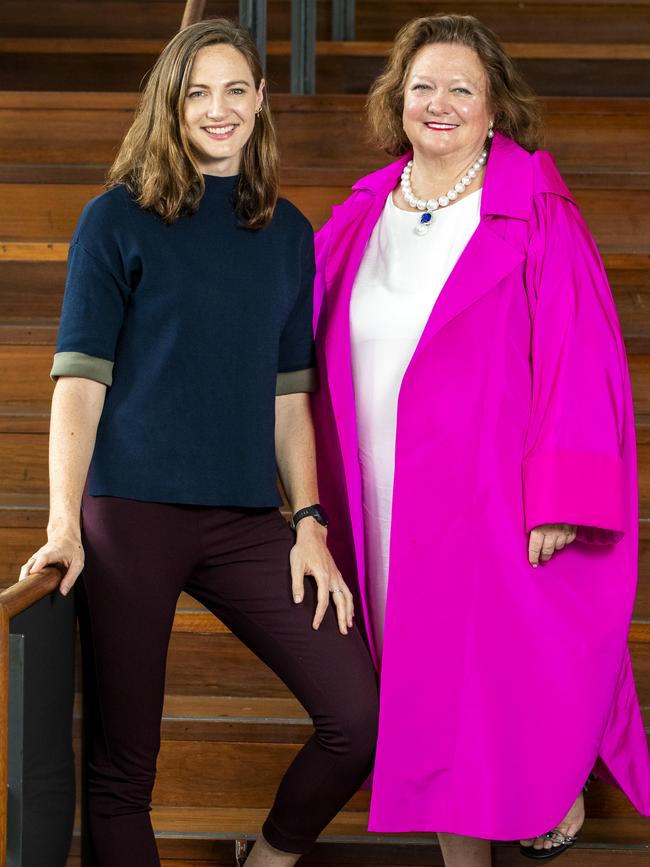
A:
(502, 686)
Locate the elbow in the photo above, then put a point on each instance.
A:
(86, 395)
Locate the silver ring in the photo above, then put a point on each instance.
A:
(336, 590)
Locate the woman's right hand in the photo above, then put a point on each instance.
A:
(65, 549)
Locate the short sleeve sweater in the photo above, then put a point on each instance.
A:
(194, 327)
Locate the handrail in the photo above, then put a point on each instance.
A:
(22, 594)
(193, 12)
(13, 601)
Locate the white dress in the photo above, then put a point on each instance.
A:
(398, 282)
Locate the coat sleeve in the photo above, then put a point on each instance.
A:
(573, 467)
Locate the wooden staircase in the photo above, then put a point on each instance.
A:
(68, 76)
(564, 48)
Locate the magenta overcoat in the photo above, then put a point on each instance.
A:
(502, 686)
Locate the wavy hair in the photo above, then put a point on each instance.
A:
(516, 108)
(155, 161)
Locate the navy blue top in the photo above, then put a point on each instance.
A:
(198, 318)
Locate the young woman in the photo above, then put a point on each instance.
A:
(183, 363)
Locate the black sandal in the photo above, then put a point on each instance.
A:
(561, 842)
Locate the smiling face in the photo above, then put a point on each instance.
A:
(219, 109)
(446, 108)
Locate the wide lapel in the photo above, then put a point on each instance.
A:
(487, 258)
(351, 226)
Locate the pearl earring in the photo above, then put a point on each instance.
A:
(491, 130)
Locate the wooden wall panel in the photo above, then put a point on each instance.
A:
(87, 129)
(50, 212)
(218, 664)
(23, 463)
(207, 774)
(347, 73)
(18, 543)
(132, 18)
(24, 376)
(516, 21)
(31, 290)
(582, 21)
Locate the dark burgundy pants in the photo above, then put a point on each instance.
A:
(139, 557)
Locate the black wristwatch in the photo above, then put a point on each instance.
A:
(317, 512)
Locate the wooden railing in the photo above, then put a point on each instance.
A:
(193, 12)
(13, 601)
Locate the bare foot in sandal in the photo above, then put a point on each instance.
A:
(562, 835)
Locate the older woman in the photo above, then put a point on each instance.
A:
(476, 420)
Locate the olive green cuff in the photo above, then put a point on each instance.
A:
(293, 381)
(84, 366)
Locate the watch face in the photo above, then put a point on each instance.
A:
(320, 515)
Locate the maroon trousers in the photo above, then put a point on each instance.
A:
(139, 557)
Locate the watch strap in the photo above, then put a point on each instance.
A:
(316, 511)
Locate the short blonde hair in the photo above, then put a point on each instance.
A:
(155, 161)
(516, 108)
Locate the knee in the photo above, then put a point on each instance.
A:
(350, 729)
(118, 793)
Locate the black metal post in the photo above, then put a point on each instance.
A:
(303, 46)
(343, 20)
(40, 747)
(15, 758)
(252, 15)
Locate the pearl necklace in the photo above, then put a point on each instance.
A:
(433, 204)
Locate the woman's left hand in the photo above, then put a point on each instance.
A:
(310, 556)
(546, 539)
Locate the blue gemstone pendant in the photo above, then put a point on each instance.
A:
(423, 224)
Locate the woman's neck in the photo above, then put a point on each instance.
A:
(433, 176)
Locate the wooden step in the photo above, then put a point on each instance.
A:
(334, 174)
(193, 773)
(18, 542)
(235, 719)
(85, 130)
(209, 746)
(218, 665)
(49, 212)
(556, 68)
(61, 18)
(50, 253)
(24, 466)
(383, 855)
(200, 663)
(514, 21)
(31, 294)
(247, 773)
(206, 760)
(93, 47)
(240, 774)
(205, 659)
(32, 289)
(140, 19)
(202, 833)
(375, 19)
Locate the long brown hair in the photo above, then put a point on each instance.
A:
(155, 161)
(516, 108)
